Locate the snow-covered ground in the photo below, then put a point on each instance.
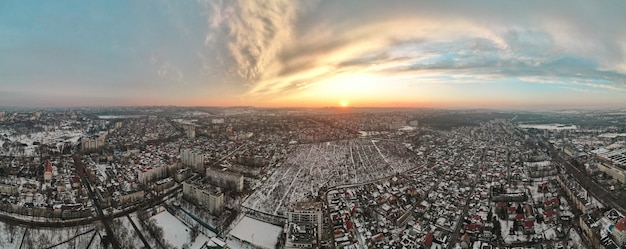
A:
(102, 172)
(575, 240)
(55, 137)
(185, 121)
(69, 237)
(17, 232)
(176, 232)
(119, 116)
(312, 166)
(255, 232)
(549, 126)
(126, 233)
(96, 243)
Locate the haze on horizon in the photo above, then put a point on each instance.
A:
(279, 53)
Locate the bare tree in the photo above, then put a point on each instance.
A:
(43, 240)
(11, 229)
(193, 232)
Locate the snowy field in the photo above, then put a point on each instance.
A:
(119, 116)
(176, 232)
(256, 232)
(312, 166)
(11, 238)
(71, 237)
(548, 126)
(126, 234)
(54, 137)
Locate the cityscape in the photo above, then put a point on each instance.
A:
(262, 124)
(245, 177)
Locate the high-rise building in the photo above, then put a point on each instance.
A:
(193, 159)
(93, 142)
(225, 179)
(152, 173)
(204, 195)
(190, 131)
(304, 224)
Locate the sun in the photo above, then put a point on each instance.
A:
(344, 103)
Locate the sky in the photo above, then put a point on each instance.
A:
(314, 53)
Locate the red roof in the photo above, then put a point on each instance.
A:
(472, 227)
(477, 217)
(377, 237)
(48, 166)
(555, 201)
(621, 224)
(512, 209)
(349, 225)
(519, 217)
(529, 224)
(428, 240)
(501, 205)
(548, 213)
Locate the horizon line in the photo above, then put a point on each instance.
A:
(508, 108)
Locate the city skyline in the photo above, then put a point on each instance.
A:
(532, 54)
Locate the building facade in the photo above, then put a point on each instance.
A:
(149, 174)
(225, 179)
(193, 159)
(190, 131)
(304, 218)
(93, 142)
(204, 195)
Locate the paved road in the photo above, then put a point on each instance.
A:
(456, 234)
(106, 220)
(143, 239)
(612, 199)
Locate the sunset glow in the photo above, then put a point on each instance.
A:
(374, 53)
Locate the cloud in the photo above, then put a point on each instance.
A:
(167, 70)
(256, 31)
(171, 72)
(281, 47)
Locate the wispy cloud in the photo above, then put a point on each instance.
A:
(281, 46)
(171, 72)
(255, 31)
(265, 51)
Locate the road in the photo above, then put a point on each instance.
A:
(456, 234)
(106, 220)
(143, 239)
(615, 200)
